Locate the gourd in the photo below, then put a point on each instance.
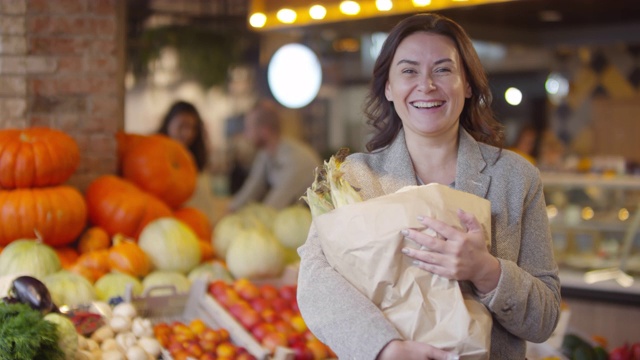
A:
(161, 166)
(36, 157)
(29, 257)
(57, 213)
(68, 337)
(119, 206)
(127, 257)
(68, 288)
(171, 245)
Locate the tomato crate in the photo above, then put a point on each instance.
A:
(164, 304)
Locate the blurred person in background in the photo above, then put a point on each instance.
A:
(283, 167)
(183, 123)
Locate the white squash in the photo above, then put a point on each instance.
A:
(291, 226)
(171, 245)
(255, 254)
(29, 257)
(115, 284)
(69, 288)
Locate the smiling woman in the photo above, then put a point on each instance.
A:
(430, 106)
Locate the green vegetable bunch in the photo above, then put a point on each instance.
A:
(25, 335)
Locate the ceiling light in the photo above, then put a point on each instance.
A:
(420, 3)
(349, 7)
(513, 96)
(258, 20)
(384, 5)
(317, 12)
(286, 16)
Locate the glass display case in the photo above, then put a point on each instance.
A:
(594, 222)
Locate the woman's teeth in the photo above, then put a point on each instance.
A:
(427, 104)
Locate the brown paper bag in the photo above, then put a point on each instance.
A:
(362, 242)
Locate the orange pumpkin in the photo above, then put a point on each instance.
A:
(36, 157)
(126, 256)
(94, 238)
(92, 265)
(67, 255)
(119, 207)
(57, 213)
(125, 143)
(207, 251)
(163, 167)
(196, 220)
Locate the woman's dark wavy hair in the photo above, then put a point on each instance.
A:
(198, 147)
(477, 116)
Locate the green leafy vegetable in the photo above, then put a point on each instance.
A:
(25, 335)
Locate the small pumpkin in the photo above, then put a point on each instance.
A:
(36, 157)
(207, 252)
(92, 265)
(197, 220)
(57, 213)
(120, 207)
(94, 238)
(163, 167)
(67, 255)
(127, 257)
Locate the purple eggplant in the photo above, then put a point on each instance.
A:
(31, 291)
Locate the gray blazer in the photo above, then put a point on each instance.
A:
(526, 303)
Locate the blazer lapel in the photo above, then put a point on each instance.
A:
(469, 176)
(398, 168)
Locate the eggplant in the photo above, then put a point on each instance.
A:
(10, 300)
(31, 291)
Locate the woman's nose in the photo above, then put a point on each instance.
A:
(426, 83)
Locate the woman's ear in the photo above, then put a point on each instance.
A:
(387, 92)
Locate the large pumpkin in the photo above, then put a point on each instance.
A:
(58, 214)
(36, 157)
(118, 206)
(163, 167)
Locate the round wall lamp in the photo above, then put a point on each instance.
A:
(294, 75)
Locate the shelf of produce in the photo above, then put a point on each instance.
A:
(163, 304)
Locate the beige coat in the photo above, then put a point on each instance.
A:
(526, 303)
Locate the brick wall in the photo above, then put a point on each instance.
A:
(62, 66)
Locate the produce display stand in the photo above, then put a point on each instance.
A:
(164, 304)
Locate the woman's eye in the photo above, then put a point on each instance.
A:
(443, 70)
(408, 71)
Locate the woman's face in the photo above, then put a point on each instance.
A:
(183, 128)
(427, 84)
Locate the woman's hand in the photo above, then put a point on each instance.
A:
(413, 350)
(457, 254)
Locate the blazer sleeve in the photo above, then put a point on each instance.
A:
(338, 314)
(526, 301)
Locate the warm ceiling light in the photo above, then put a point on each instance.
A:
(550, 16)
(258, 20)
(317, 12)
(421, 3)
(384, 5)
(286, 16)
(349, 7)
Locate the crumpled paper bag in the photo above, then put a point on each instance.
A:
(362, 242)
